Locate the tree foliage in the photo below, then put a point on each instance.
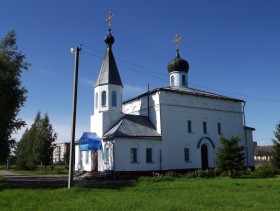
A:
(36, 144)
(12, 93)
(276, 148)
(230, 157)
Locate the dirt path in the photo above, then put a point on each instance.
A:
(34, 181)
(6, 173)
(14, 180)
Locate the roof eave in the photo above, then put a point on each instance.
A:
(139, 137)
(182, 92)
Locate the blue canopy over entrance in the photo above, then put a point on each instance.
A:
(89, 141)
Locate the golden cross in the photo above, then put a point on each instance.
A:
(109, 19)
(177, 41)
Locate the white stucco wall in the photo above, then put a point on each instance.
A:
(172, 115)
(122, 154)
(177, 77)
(250, 148)
(83, 160)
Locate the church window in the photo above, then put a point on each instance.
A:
(103, 103)
(96, 100)
(149, 155)
(183, 80)
(114, 98)
(219, 128)
(187, 154)
(172, 80)
(189, 126)
(106, 155)
(133, 155)
(204, 127)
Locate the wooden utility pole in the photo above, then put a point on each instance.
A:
(74, 106)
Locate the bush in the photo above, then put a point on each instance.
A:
(265, 172)
(158, 177)
(207, 173)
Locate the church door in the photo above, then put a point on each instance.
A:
(204, 156)
(95, 160)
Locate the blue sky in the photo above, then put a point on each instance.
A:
(233, 48)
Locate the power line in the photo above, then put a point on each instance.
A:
(129, 68)
(270, 100)
(267, 120)
(130, 63)
(247, 96)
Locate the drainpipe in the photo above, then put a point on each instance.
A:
(246, 141)
(114, 174)
(160, 159)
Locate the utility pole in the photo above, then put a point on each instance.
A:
(74, 106)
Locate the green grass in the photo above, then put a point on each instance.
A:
(41, 170)
(179, 194)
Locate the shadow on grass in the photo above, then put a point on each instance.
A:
(58, 181)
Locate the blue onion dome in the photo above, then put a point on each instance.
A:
(178, 64)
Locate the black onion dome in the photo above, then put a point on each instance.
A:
(109, 39)
(178, 64)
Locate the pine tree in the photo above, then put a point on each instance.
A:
(46, 137)
(36, 144)
(230, 156)
(22, 151)
(12, 93)
(276, 148)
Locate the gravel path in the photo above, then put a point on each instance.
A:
(7, 173)
(14, 180)
(34, 181)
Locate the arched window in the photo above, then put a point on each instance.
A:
(149, 153)
(183, 80)
(134, 153)
(96, 100)
(103, 103)
(114, 98)
(172, 80)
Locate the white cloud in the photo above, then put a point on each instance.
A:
(18, 134)
(130, 91)
(47, 73)
(86, 81)
(63, 131)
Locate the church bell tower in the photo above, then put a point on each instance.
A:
(107, 90)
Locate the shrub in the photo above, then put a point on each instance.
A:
(168, 176)
(207, 173)
(265, 172)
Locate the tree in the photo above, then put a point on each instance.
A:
(45, 139)
(276, 148)
(230, 157)
(12, 93)
(36, 144)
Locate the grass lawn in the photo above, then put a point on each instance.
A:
(57, 169)
(179, 194)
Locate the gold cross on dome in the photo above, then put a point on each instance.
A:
(109, 19)
(177, 40)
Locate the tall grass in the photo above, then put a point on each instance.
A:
(177, 194)
(57, 169)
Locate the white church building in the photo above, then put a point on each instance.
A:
(170, 128)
